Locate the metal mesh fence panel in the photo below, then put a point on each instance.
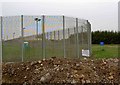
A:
(80, 40)
(83, 37)
(32, 38)
(0, 50)
(11, 36)
(53, 39)
(28, 38)
(70, 37)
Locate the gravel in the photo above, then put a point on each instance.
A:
(60, 70)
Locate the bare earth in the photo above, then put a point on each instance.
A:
(67, 71)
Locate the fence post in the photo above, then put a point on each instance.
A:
(68, 32)
(43, 37)
(47, 36)
(1, 35)
(54, 42)
(58, 35)
(77, 38)
(1, 52)
(64, 37)
(75, 41)
(22, 37)
(81, 39)
(50, 35)
(69, 50)
(89, 37)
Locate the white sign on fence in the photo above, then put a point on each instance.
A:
(85, 53)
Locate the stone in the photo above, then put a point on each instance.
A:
(80, 62)
(42, 79)
(116, 60)
(44, 59)
(46, 78)
(92, 60)
(32, 63)
(110, 77)
(55, 65)
(76, 76)
(58, 69)
(18, 68)
(27, 68)
(71, 76)
(62, 69)
(36, 71)
(39, 62)
(68, 74)
(77, 65)
(87, 81)
(25, 77)
(104, 62)
(85, 58)
(75, 71)
(83, 81)
(73, 81)
(82, 76)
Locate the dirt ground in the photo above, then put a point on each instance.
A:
(63, 71)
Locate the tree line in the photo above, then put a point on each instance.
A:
(108, 37)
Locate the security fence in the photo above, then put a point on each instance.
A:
(0, 55)
(28, 38)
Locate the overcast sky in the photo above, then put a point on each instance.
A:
(102, 14)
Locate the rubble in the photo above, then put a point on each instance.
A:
(55, 70)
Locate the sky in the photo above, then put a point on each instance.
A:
(102, 14)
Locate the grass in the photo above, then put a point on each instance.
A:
(106, 51)
(12, 51)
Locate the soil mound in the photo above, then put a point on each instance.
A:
(69, 71)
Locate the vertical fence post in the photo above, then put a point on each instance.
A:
(1, 36)
(1, 33)
(89, 38)
(81, 39)
(54, 43)
(54, 35)
(68, 32)
(88, 41)
(77, 38)
(50, 36)
(75, 41)
(47, 36)
(22, 37)
(1, 52)
(64, 37)
(68, 53)
(43, 37)
(58, 35)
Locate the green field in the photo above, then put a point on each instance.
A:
(106, 51)
(12, 50)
